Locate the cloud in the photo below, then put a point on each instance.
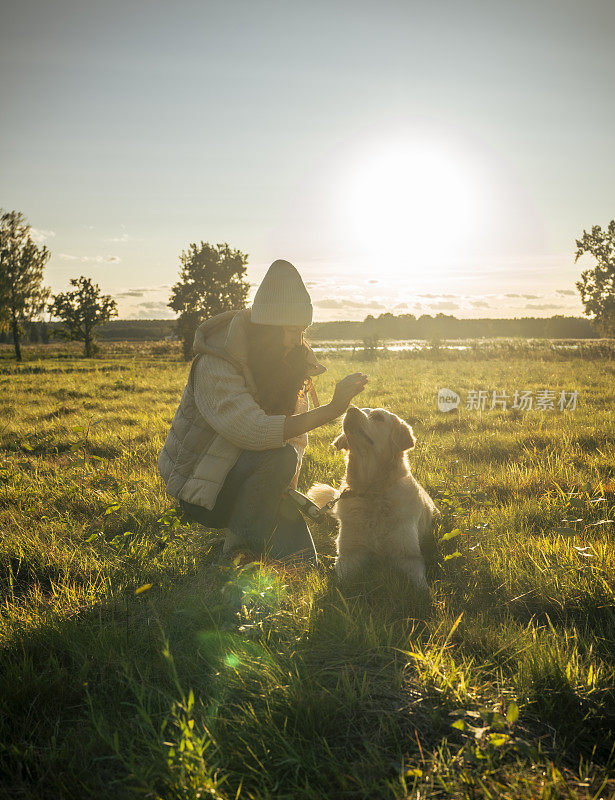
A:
(369, 304)
(479, 304)
(153, 305)
(531, 296)
(512, 295)
(151, 310)
(372, 281)
(91, 259)
(444, 305)
(347, 304)
(565, 292)
(402, 305)
(156, 288)
(124, 237)
(544, 306)
(41, 236)
(140, 291)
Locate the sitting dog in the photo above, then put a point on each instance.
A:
(383, 512)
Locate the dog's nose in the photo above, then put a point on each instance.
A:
(353, 419)
(352, 415)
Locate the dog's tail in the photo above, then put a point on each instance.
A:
(322, 493)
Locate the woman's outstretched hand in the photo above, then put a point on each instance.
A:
(343, 393)
(345, 390)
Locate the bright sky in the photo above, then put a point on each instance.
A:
(410, 157)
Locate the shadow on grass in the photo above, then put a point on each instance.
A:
(40, 369)
(62, 411)
(324, 686)
(47, 445)
(296, 683)
(564, 702)
(19, 576)
(494, 452)
(57, 678)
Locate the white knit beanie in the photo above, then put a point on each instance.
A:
(282, 298)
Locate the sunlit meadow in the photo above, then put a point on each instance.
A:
(135, 662)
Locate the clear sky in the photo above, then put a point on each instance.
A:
(407, 157)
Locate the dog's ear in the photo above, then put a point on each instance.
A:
(341, 443)
(404, 436)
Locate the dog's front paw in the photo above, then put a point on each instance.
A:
(349, 566)
(322, 493)
(414, 569)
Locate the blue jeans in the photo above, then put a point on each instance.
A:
(251, 504)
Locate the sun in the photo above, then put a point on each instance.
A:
(411, 206)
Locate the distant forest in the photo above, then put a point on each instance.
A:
(386, 326)
(443, 326)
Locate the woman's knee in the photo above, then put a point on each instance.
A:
(271, 470)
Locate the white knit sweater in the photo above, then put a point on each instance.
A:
(222, 397)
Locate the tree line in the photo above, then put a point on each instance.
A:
(444, 326)
(380, 328)
(212, 279)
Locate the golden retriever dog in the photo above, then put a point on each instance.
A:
(383, 512)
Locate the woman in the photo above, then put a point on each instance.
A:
(238, 437)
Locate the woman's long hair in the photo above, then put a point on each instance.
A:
(279, 378)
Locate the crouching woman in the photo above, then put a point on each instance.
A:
(239, 434)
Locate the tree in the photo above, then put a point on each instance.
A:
(22, 294)
(81, 310)
(212, 280)
(597, 285)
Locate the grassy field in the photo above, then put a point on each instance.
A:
(135, 663)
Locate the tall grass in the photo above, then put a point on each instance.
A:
(136, 662)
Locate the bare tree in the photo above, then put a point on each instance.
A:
(81, 310)
(22, 294)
